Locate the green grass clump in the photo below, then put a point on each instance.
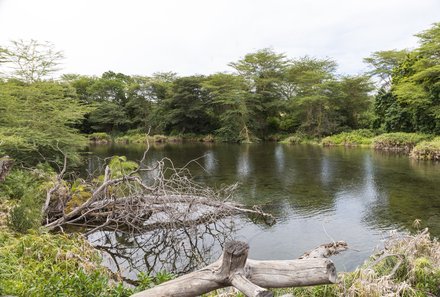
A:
(52, 265)
(24, 192)
(100, 137)
(298, 138)
(409, 265)
(353, 138)
(133, 138)
(399, 141)
(427, 150)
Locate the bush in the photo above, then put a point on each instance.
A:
(100, 137)
(399, 141)
(298, 138)
(26, 189)
(427, 150)
(353, 138)
(407, 266)
(53, 265)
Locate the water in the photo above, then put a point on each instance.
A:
(317, 195)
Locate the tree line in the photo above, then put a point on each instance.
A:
(265, 94)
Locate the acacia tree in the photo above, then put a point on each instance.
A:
(37, 117)
(411, 103)
(383, 63)
(229, 96)
(263, 71)
(30, 61)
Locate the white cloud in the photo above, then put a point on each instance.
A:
(202, 36)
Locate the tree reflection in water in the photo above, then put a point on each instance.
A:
(176, 251)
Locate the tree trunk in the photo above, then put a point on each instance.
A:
(252, 276)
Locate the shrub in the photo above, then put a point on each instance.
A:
(100, 137)
(353, 138)
(53, 265)
(298, 138)
(26, 190)
(409, 265)
(427, 150)
(399, 141)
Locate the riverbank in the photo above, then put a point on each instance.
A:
(416, 145)
(44, 264)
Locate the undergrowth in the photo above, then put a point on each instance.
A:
(353, 138)
(427, 150)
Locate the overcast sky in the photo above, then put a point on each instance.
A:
(203, 36)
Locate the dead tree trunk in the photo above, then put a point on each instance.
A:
(5, 166)
(251, 277)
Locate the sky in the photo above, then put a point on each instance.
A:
(138, 37)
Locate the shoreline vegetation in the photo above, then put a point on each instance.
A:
(45, 122)
(416, 145)
(45, 264)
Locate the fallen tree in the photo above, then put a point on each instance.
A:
(252, 277)
(139, 198)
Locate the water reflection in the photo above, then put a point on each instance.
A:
(177, 251)
(318, 194)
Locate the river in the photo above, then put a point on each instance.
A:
(317, 194)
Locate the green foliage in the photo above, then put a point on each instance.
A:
(30, 61)
(353, 138)
(230, 101)
(100, 137)
(52, 265)
(189, 109)
(108, 117)
(119, 166)
(427, 150)
(26, 215)
(299, 138)
(399, 141)
(383, 64)
(26, 190)
(410, 101)
(408, 266)
(37, 121)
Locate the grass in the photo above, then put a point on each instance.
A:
(399, 141)
(52, 265)
(362, 137)
(427, 150)
(298, 138)
(100, 137)
(409, 266)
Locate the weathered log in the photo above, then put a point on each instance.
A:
(5, 166)
(251, 276)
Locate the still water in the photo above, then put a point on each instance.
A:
(316, 194)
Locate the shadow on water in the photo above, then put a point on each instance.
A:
(317, 194)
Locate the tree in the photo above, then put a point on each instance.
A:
(189, 109)
(230, 100)
(383, 63)
(309, 108)
(30, 61)
(37, 121)
(108, 117)
(262, 70)
(412, 102)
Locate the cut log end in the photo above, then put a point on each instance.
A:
(236, 248)
(332, 274)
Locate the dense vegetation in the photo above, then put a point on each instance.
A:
(45, 122)
(265, 95)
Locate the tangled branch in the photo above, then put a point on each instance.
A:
(142, 199)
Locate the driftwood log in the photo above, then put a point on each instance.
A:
(5, 166)
(252, 277)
